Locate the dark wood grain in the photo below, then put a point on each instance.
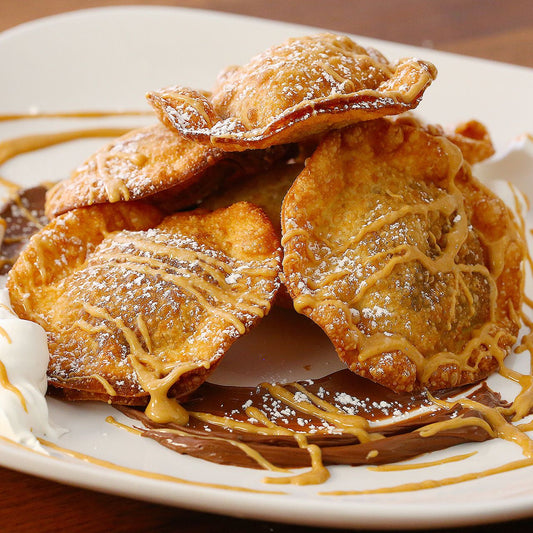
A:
(494, 29)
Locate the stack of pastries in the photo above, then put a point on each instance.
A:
(301, 179)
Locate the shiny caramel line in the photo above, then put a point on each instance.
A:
(351, 424)
(5, 334)
(248, 450)
(434, 483)
(316, 475)
(161, 408)
(416, 466)
(28, 143)
(501, 428)
(5, 117)
(111, 420)
(4, 382)
(27, 212)
(148, 475)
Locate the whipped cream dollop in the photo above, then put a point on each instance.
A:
(23, 363)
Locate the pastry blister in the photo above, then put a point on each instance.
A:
(409, 264)
(304, 86)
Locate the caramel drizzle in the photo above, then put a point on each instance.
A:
(5, 334)
(498, 424)
(378, 343)
(214, 294)
(351, 424)
(107, 386)
(29, 143)
(11, 148)
(71, 114)
(434, 483)
(145, 474)
(318, 473)
(114, 183)
(250, 452)
(405, 93)
(147, 367)
(424, 78)
(14, 187)
(495, 420)
(115, 188)
(453, 423)
(346, 84)
(27, 213)
(111, 420)
(417, 466)
(6, 384)
(196, 286)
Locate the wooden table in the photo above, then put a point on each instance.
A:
(498, 29)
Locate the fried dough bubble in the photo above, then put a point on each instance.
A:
(410, 265)
(138, 308)
(306, 85)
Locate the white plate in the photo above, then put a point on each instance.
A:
(108, 59)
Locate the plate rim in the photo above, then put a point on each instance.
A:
(521, 507)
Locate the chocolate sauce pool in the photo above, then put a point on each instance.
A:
(24, 216)
(343, 390)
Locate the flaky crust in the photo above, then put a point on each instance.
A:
(155, 164)
(304, 86)
(407, 262)
(134, 305)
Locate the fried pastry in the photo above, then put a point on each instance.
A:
(409, 264)
(264, 189)
(137, 308)
(304, 86)
(471, 137)
(153, 163)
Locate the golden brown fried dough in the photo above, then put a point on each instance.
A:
(135, 306)
(153, 163)
(471, 137)
(264, 189)
(304, 86)
(408, 263)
